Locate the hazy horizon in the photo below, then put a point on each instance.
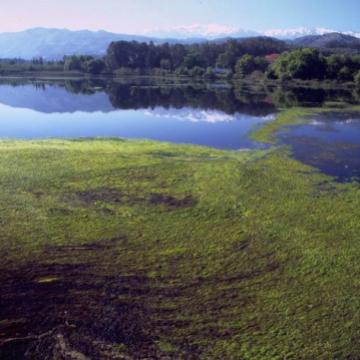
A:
(191, 17)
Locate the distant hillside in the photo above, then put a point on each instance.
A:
(55, 43)
(329, 41)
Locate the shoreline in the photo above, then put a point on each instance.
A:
(324, 84)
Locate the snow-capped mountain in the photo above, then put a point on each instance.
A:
(210, 31)
(56, 43)
(215, 31)
(304, 31)
(329, 41)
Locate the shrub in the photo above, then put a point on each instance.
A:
(357, 79)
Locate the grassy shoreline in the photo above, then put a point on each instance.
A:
(157, 249)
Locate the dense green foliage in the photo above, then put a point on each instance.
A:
(78, 64)
(302, 64)
(309, 64)
(236, 59)
(135, 55)
(18, 66)
(247, 64)
(87, 64)
(357, 79)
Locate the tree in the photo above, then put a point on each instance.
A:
(119, 55)
(197, 71)
(228, 58)
(38, 61)
(357, 79)
(333, 65)
(72, 63)
(177, 54)
(165, 64)
(193, 59)
(134, 55)
(94, 66)
(245, 66)
(345, 74)
(305, 64)
(210, 74)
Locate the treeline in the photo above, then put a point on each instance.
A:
(260, 58)
(18, 66)
(83, 64)
(266, 58)
(206, 59)
(195, 59)
(310, 64)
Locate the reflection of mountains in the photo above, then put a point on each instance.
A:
(67, 96)
(52, 99)
(91, 96)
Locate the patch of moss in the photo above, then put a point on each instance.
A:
(262, 263)
(293, 116)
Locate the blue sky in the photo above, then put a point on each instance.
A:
(139, 16)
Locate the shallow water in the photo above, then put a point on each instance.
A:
(330, 142)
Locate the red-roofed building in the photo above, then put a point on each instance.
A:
(272, 57)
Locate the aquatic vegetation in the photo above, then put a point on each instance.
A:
(152, 249)
(293, 116)
(325, 138)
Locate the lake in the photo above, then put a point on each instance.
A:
(215, 115)
(188, 113)
(329, 141)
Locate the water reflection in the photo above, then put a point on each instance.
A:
(215, 115)
(182, 113)
(106, 95)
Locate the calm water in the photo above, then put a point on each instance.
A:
(194, 114)
(330, 142)
(215, 115)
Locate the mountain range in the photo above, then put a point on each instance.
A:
(55, 43)
(329, 41)
(215, 31)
